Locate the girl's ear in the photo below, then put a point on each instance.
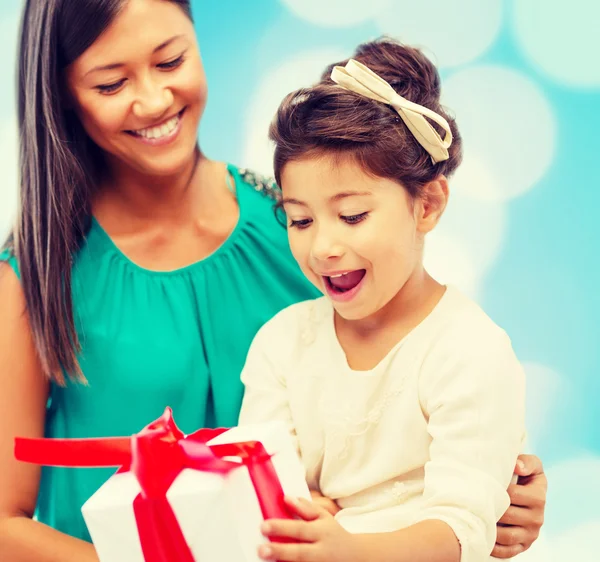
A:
(431, 204)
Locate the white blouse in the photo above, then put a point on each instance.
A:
(432, 432)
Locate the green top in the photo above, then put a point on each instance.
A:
(155, 339)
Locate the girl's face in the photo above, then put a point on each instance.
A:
(356, 237)
(140, 89)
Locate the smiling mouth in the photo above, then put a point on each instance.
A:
(344, 282)
(159, 131)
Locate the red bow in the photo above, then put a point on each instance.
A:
(156, 456)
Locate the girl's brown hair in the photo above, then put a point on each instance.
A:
(326, 119)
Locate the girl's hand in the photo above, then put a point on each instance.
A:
(320, 538)
(327, 503)
(520, 525)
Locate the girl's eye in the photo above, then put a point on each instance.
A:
(110, 88)
(354, 219)
(170, 65)
(302, 223)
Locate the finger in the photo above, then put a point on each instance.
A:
(290, 528)
(519, 516)
(328, 504)
(511, 536)
(531, 495)
(288, 552)
(309, 511)
(501, 551)
(528, 465)
(518, 495)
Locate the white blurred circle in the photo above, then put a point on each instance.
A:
(455, 32)
(573, 494)
(336, 13)
(301, 71)
(449, 261)
(478, 224)
(562, 39)
(473, 178)
(579, 543)
(9, 165)
(540, 551)
(507, 122)
(545, 388)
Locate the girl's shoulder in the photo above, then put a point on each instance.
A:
(459, 328)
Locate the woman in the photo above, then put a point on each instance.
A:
(145, 268)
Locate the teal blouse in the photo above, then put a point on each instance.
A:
(155, 339)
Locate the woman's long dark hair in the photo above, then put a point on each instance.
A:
(59, 167)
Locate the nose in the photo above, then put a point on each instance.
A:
(152, 101)
(326, 245)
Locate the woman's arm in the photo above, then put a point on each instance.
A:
(23, 397)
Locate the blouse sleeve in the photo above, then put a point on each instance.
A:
(474, 403)
(265, 396)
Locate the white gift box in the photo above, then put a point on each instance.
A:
(219, 515)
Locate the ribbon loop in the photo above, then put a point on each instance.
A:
(358, 78)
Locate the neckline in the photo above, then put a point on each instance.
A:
(442, 304)
(108, 242)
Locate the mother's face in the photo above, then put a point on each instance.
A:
(140, 88)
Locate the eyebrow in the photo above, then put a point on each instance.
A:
(333, 198)
(114, 65)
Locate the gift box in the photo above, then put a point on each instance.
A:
(196, 498)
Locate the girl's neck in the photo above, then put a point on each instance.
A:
(407, 309)
(368, 341)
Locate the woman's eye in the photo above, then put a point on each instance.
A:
(110, 88)
(354, 219)
(302, 223)
(170, 65)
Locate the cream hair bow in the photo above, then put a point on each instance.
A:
(357, 78)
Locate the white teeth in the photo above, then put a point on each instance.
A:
(338, 275)
(159, 131)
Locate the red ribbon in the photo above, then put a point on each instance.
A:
(156, 456)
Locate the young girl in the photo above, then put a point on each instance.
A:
(406, 400)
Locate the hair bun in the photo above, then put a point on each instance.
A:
(405, 68)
